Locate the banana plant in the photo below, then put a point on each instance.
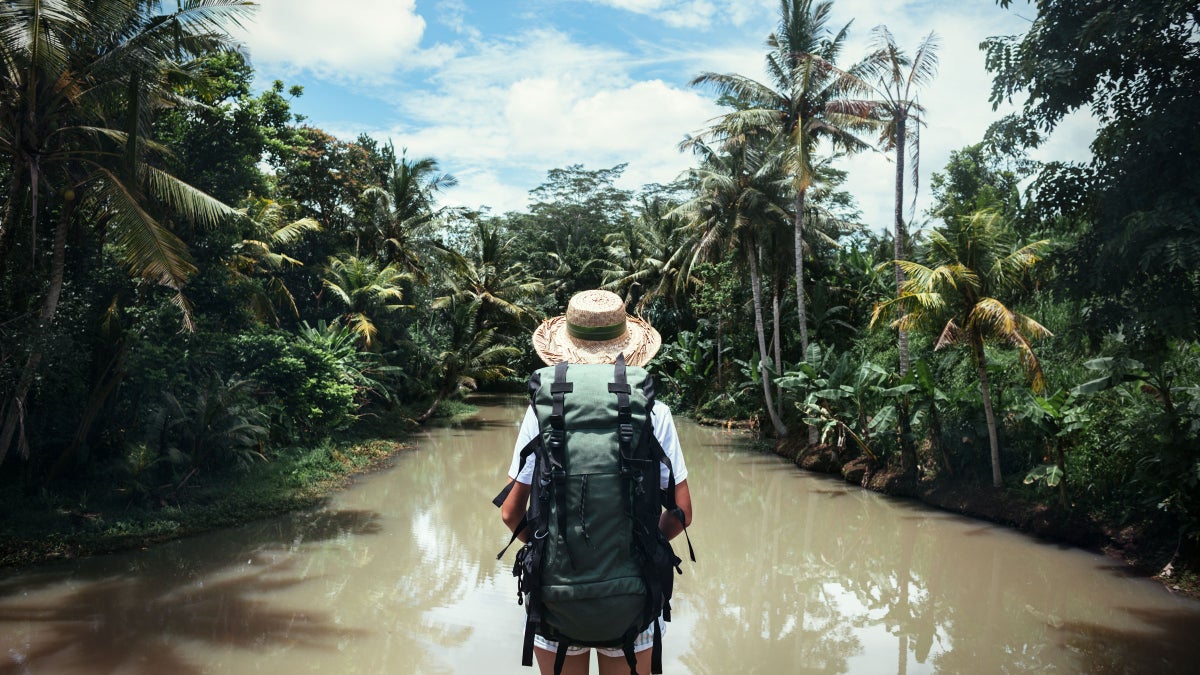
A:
(689, 363)
(1058, 416)
(925, 403)
(836, 396)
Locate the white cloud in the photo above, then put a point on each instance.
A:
(500, 110)
(958, 110)
(695, 13)
(348, 40)
(499, 118)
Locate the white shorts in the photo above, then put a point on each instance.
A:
(644, 641)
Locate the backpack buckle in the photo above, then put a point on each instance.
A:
(625, 429)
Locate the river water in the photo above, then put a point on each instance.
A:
(398, 574)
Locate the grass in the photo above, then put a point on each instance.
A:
(94, 517)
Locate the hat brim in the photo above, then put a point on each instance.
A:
(554, 344)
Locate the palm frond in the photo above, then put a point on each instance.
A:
(195, 205)
(951, 335)
(150, 249)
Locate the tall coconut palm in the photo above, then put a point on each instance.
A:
(491, 275)
(366, 291)
(406, 213)
(808, 100)
(79, 81)
(969, 266)
(740, 195)
(896, 78)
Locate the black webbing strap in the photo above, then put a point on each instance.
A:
(656, 651)
(560, 657)
(630, 656)
(557, 454)
(526, 451)
(498, 500)
(620, 387)
(527, 646)
(516, 533)
(668, 496)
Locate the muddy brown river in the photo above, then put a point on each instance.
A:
(398, 574)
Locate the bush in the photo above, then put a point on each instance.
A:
(300, 377)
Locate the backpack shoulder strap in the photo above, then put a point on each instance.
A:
(668, 495)
(535, 383)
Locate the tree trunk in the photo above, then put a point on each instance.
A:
(432, 408)
(14, 414)
(111, 377)
(900, 236)
(1061, 461)
(760, 331)
(993, 441)
(720, 356)
(7, 218)
(777, 344)
(801, 307)
(935, 439)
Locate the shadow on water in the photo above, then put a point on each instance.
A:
(482, 426)
(1168, 640)
(133, 612)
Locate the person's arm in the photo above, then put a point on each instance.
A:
(668, 524)
(513, 509)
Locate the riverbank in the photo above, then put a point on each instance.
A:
(1148, 551)
(106, 514)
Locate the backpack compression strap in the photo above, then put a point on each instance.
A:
(620, 387)
(557, 451)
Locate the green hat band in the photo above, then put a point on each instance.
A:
(596, 333)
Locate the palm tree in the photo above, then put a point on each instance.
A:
(474, 353)
(79, 80)
(740, 193)
(896, 78)
(491, 276)
(809, 100)
(648, 257)
(970, 264)
(405, 212)
(366, 291)
(257, 259)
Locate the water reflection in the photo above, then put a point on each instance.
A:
(132, 614)
(398, 574)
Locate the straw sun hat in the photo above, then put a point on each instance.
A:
(596, 329)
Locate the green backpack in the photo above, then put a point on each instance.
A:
(596, 571)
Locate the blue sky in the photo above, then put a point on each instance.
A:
(501, 91)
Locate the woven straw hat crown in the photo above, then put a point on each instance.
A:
(595, 329)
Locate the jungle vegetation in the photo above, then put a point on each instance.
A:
(197, 281)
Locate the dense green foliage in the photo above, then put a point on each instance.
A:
(197, 281)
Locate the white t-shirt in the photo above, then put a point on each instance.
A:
(664, 431)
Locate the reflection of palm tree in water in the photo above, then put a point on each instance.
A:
(138, 611)
(751, 613)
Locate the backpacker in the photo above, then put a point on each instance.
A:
(596, 571)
